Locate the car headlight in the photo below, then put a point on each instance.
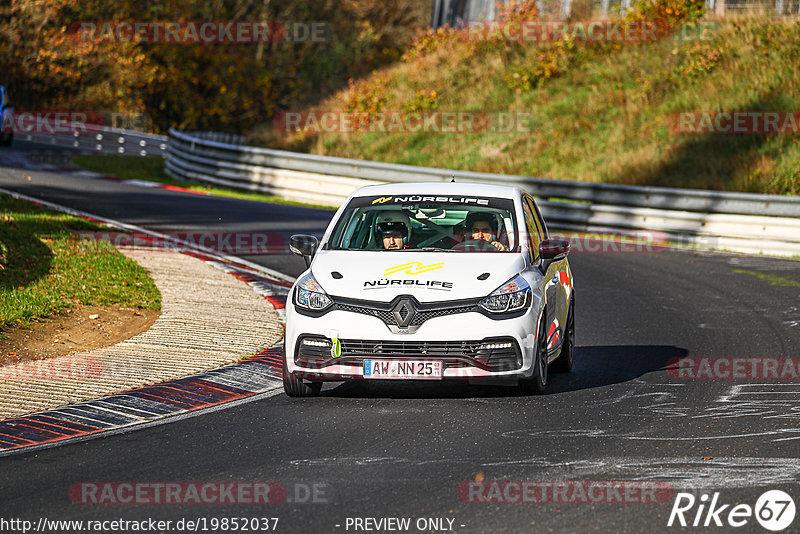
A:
(310, 295)
(512, 296)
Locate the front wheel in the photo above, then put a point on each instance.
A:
(563, 363)
(295, 387)
(538, 383)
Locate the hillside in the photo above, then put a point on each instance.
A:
(217, 71)
(600, 110)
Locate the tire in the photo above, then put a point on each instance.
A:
(295, 387)
(538, 382)
(563, 363)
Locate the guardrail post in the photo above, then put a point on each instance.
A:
(566, 9)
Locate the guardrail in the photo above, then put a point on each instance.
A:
(768, 224)
(104, 140)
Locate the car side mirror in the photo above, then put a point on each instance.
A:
(551, 250)
(304, 245)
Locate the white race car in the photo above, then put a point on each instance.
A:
(430, 281)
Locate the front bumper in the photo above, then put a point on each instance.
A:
(469, 345)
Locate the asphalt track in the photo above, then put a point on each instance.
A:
(388, 450)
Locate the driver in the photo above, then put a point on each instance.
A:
(483, 225)
(393, 229)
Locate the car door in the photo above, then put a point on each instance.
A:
(535, 236)
(553, 287)
(560, 279)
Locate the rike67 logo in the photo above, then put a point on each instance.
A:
(774, 510)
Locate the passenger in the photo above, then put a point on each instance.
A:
(483, 225)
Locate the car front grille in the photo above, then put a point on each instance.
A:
(384, 315)
(422, 312)
(491, 354)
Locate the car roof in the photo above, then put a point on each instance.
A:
(440, 188)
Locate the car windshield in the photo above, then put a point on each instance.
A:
(427, 223)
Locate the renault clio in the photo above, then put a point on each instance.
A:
(430, 281)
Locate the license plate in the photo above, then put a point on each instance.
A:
(408, 369)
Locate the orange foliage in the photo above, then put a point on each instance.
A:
(221, 86)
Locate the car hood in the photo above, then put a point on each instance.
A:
(428, 276)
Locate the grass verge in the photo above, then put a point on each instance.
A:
(597, 111)
(152, 169)
(773, 279)
(46, 269)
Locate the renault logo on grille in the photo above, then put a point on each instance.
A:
(404, 312)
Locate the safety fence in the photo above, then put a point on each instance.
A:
(744, 222)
